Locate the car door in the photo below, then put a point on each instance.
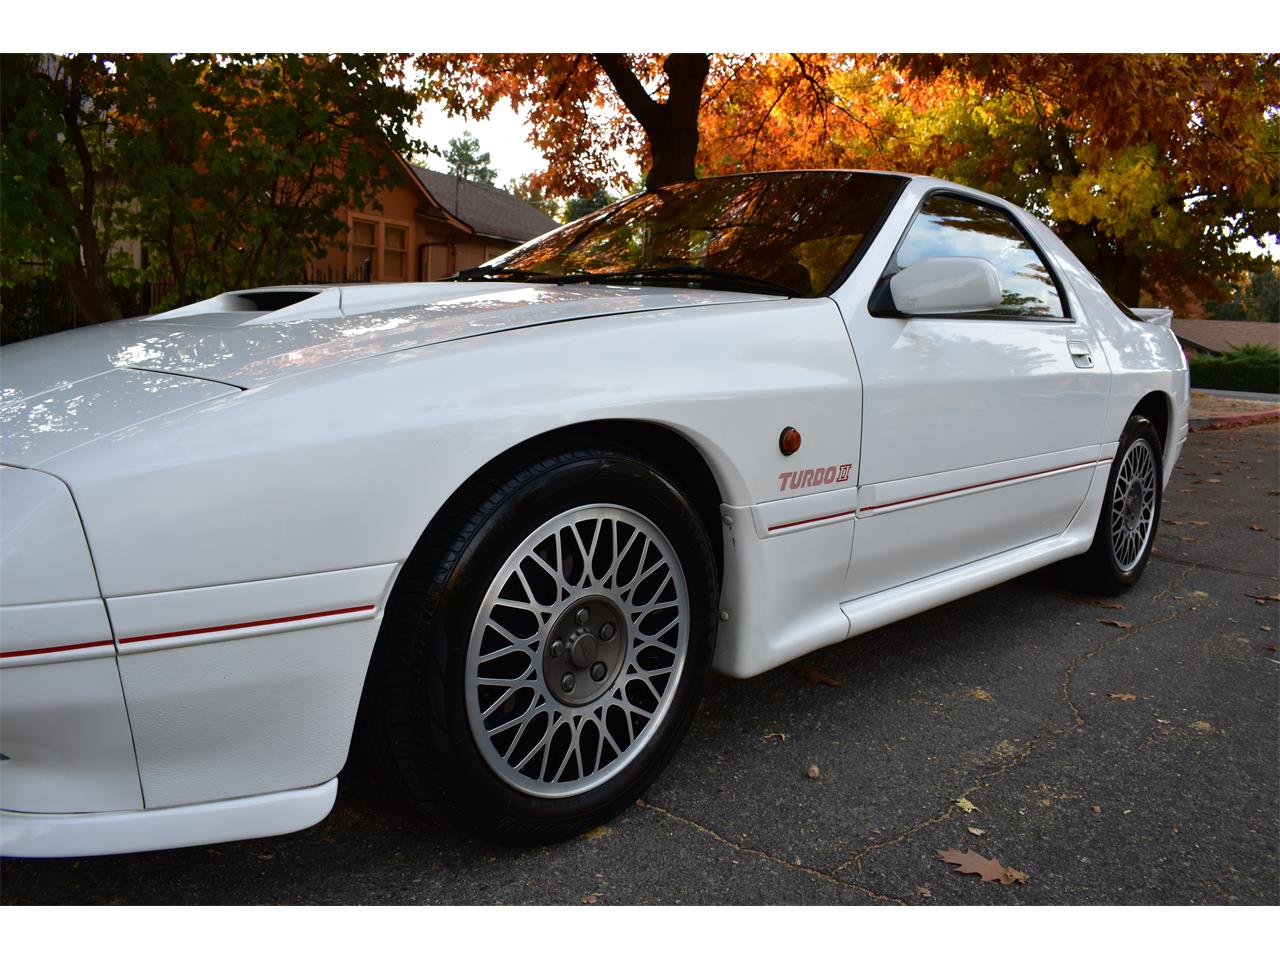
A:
(979, 431)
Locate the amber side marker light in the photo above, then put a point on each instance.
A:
(789, 441)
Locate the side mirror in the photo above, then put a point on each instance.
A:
(943, 285)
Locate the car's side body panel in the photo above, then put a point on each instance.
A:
(980, 434)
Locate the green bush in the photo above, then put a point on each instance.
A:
(1254, 368)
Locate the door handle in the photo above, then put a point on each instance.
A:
(1080, 354)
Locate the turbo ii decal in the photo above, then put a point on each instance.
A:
(817, 477)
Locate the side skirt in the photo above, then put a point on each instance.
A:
(131, 831)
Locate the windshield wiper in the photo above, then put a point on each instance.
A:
(503, 273)
(683, 272)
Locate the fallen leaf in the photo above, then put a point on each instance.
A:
(1271, 648)
(591, 898)
(1122, 696)
(1264, 597)
(1116, 623)
(970, 862)
(979, 694)
(976, 831)
(814, 676)
(1203, 726)
(1197, 594)
(774, 736)
(1189, 539)
(813, 773)
(1257, 528)
(1013, 876)
(598, 833)
(1158, 720)
(1095, 602)
(1097, 808)
(965, 805)
(1207, 480)
(923, 891)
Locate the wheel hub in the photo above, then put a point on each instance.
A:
(585, 649)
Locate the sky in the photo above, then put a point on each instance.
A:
(504, 135)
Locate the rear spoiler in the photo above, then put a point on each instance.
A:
(1160, 316)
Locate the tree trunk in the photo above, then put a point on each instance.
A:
(89, 292)
(671, 127)
(1121, 275)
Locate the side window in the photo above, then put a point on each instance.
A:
(949, 226)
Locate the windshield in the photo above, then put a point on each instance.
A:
(787, 233)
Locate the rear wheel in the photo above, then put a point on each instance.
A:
(1130, 513)
(548, 653)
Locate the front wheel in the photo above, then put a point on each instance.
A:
(563, 641)
(1130, 515)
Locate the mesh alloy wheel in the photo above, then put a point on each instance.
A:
(577, 650)
(1133, 505)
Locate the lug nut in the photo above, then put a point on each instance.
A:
(607, 632)
(567, 683)
(583, 615)
(598, 670)
(557, 649)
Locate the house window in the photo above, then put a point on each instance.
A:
(364, 245)
(395, 253)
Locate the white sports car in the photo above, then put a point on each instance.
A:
(512, 520)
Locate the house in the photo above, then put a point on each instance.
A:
(1220, 336)
(430, 225)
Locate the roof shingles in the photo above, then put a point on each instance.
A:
(1222, 335)
(489, 211)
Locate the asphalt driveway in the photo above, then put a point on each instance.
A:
(1128, 762)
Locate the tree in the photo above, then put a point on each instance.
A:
(228, 170)
(1152, 185)
(586, 109)
(576, 207)
(60, 204)
(523, 188)
(465, 160)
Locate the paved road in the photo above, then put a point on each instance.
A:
(1167, 795)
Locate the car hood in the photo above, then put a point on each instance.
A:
(237, 339)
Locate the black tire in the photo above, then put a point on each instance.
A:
(1107, 569)
(421, 683)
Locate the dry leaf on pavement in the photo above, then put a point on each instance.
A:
(965, 805)
(979, 694)
(1262, 598)
(1116, 623)
(977, 831)
(1095, 602)
(774, 736)
(1122, 696)
(970, 862)
(923, 891)
(1257, 528)
(813, 773)
(814, 676)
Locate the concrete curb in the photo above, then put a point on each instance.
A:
(1227, 421)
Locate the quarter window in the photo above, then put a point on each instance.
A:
(948, 226)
